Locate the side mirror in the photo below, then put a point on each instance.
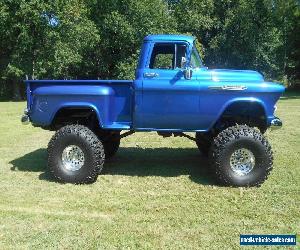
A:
(188, 73)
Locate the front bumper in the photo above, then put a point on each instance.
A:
(25, 117)
(275, 123)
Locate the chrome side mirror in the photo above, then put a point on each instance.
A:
(188, 73)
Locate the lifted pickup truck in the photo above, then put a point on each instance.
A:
(172, 93)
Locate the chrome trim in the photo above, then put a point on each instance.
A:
(72, 158)
(276, 123)
(242, 161)
(228, 87)
(150, 74)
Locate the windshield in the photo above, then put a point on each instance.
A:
(195, 59)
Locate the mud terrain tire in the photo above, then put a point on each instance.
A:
(75, 155)
(241, 157)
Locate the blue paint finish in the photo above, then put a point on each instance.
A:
(111, 100)
(169, 102)
(166, 101)
(174, 38)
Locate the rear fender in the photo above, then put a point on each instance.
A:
(48, 100)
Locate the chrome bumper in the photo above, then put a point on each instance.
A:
(276, 123)
(25, 118)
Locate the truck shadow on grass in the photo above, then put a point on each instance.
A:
(130, 161)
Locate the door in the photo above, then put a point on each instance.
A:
(169, 101)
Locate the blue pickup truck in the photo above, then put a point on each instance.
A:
(173, 93)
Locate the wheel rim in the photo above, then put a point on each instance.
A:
(72, 158)
(242, 161)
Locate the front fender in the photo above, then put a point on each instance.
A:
(235, 101)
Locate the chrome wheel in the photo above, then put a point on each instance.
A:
(242, 161)
(72, 158)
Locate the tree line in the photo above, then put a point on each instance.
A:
(77, 39)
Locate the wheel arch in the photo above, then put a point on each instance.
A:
(251, 108)
(69, 110)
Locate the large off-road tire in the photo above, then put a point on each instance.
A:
(203, 141)
(111, 142)
(75, 155)
(241, 157)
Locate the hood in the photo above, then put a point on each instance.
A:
(236, 75)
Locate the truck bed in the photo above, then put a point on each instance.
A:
(110, 99)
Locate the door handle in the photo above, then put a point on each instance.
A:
(150, 74)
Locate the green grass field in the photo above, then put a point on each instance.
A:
(155, 194)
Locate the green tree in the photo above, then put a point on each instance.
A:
(102, 38)
(287, 15)
(44, 40)
(196, 17)
(236, 33)
(123, 25)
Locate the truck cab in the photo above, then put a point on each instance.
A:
(166, 91)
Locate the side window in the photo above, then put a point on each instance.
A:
(164, 56)
(163, 61)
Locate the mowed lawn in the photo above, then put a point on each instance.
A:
(155, 194)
